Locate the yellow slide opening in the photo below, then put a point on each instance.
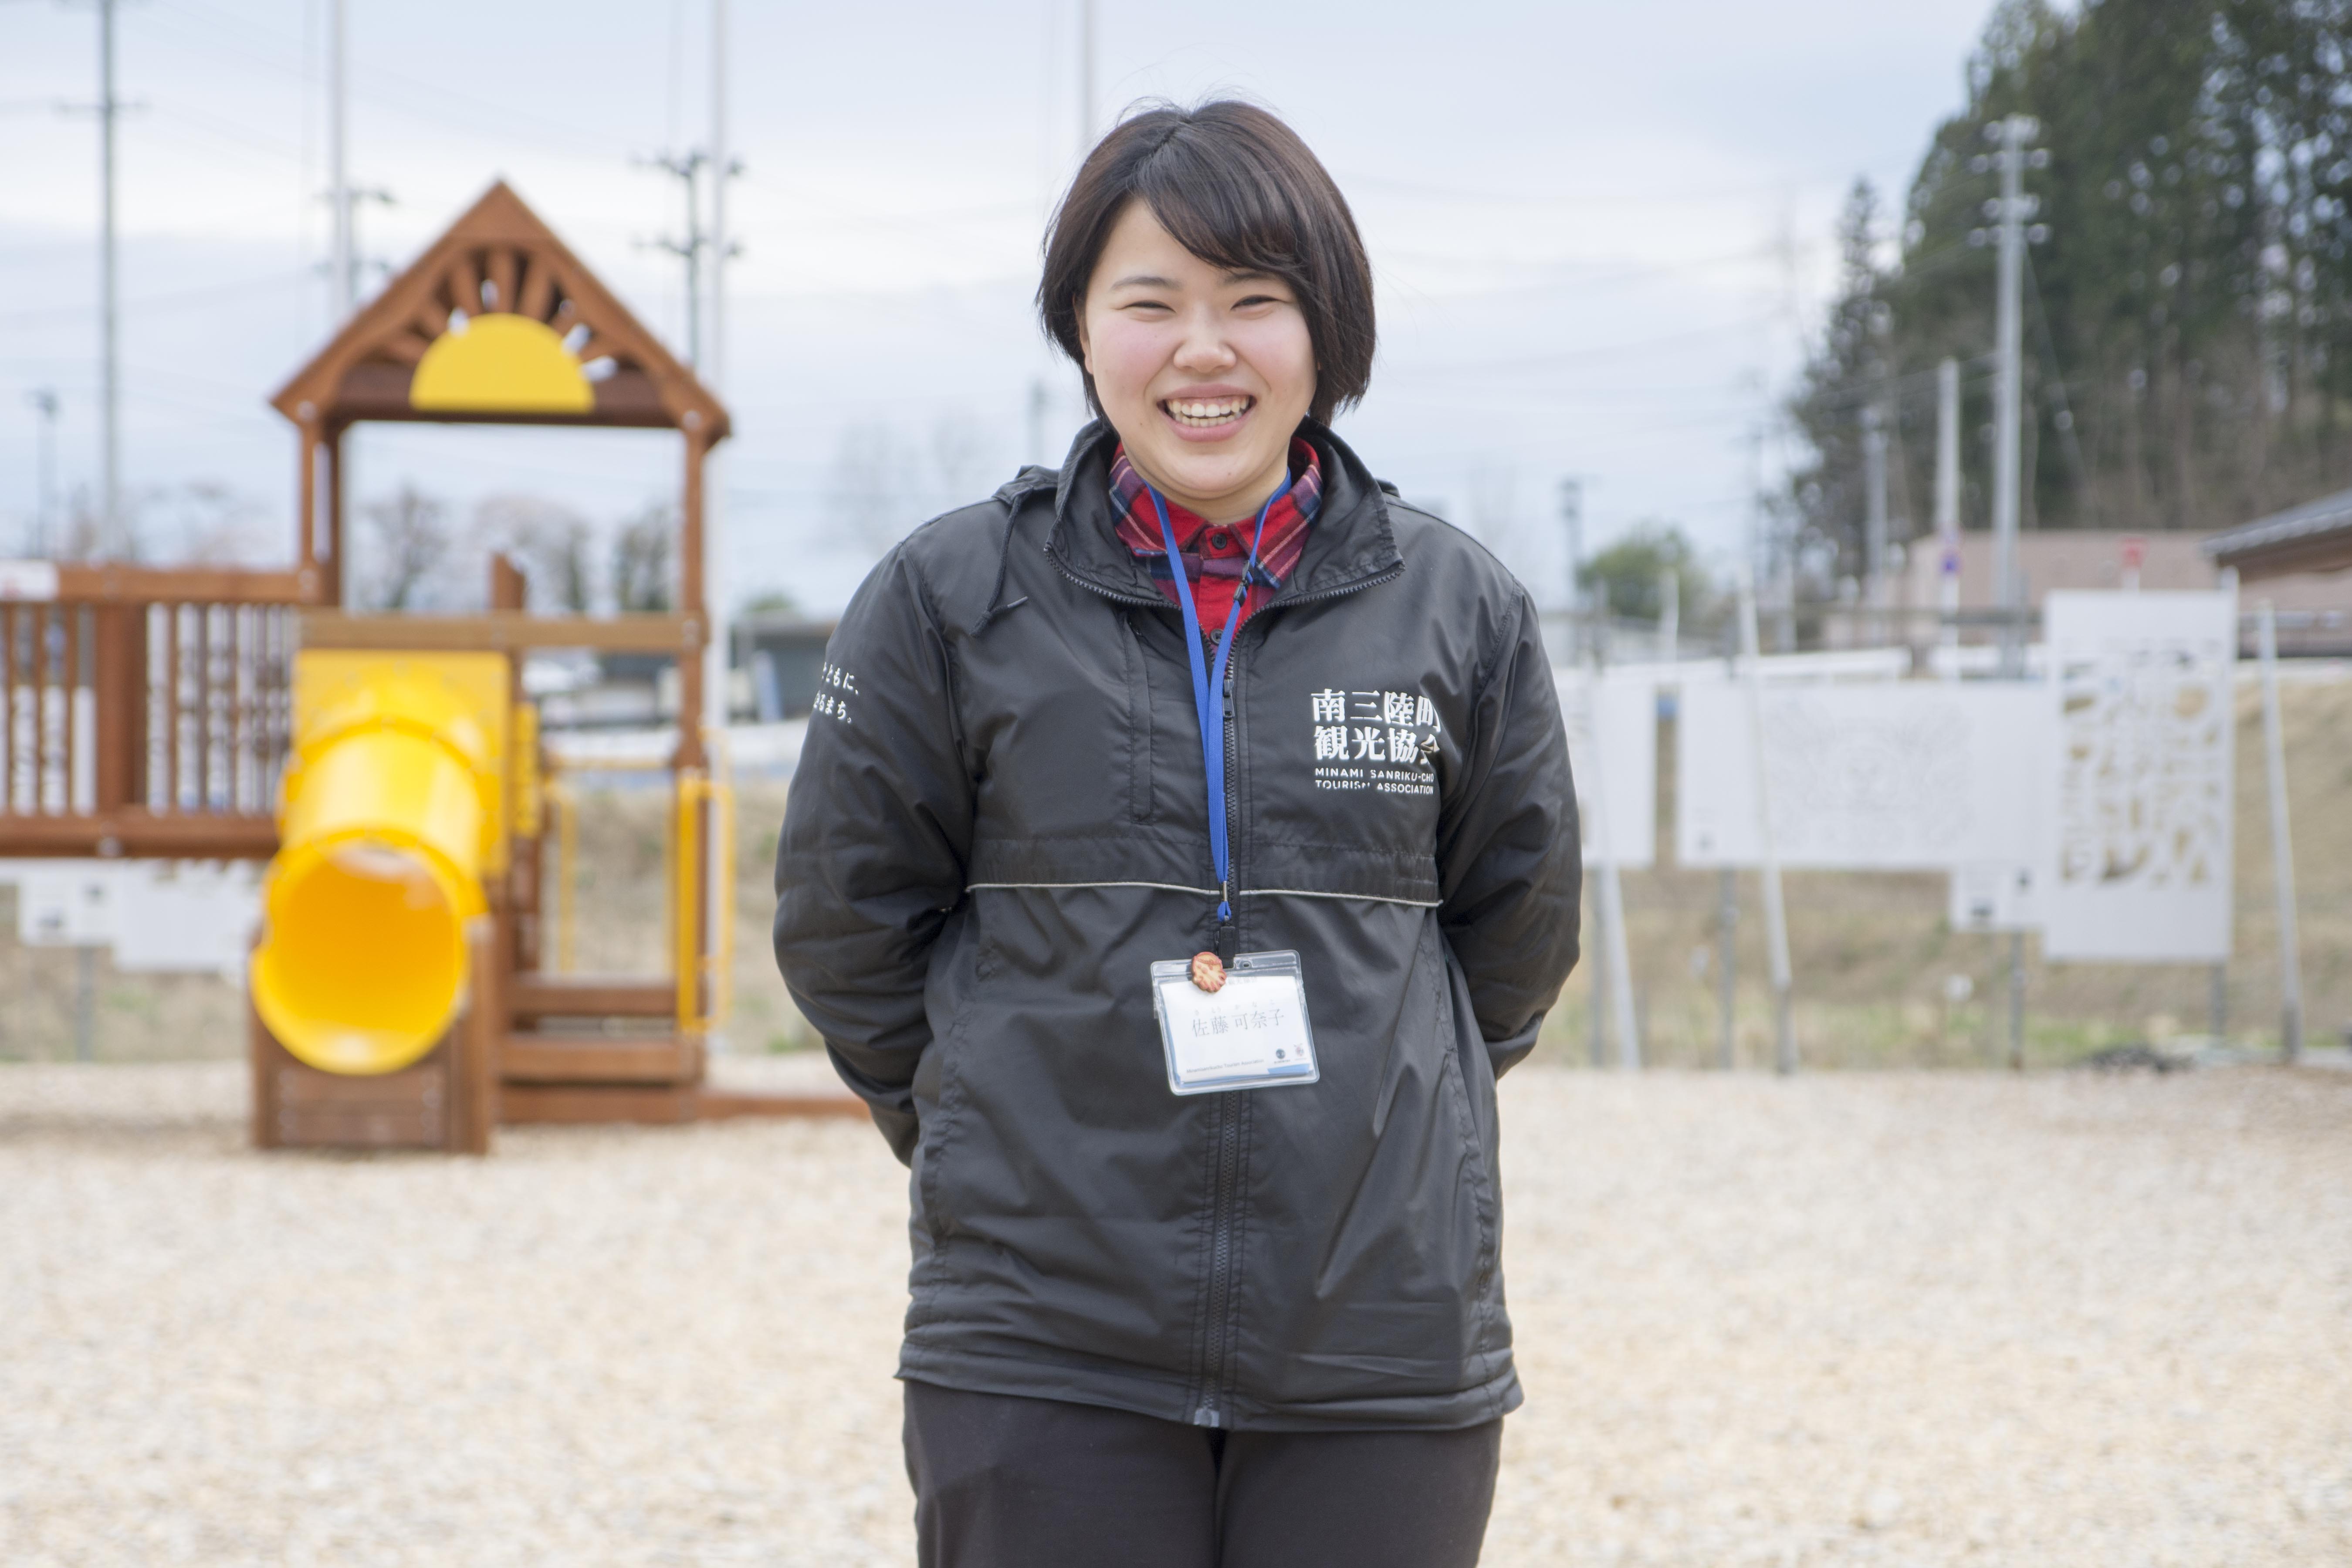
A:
(391, 820)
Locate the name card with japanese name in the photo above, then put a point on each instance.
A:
(1250, 1033)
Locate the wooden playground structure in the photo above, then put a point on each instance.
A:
(387, 766)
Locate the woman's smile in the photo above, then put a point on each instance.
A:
(1208, 414)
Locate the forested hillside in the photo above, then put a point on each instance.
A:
(2187, 314)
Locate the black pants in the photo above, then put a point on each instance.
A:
(1026, 1483)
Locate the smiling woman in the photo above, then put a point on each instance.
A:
(1208, 278)
(1092, 835)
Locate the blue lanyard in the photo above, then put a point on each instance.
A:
(1206, 692)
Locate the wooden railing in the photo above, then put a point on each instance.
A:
(145, 711)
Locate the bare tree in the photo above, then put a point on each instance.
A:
(408, 541)
(959, 458)
(551, 541)
(643, 550)
(85, 534)
(870, 494)
(213, 523)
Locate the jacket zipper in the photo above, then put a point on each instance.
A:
(1341, 591)
(1228, 1135)
(1225, 1130)
(1225, 1202)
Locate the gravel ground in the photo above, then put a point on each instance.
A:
(1896, 1319)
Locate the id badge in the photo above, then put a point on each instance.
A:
(1250, 1033)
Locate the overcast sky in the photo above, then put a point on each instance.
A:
(1600, 233)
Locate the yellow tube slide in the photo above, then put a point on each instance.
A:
(391, 819)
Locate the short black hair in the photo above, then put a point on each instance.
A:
(1237, 188)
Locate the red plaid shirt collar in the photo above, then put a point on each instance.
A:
(1215, 556)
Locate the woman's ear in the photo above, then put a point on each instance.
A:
(1085, 346)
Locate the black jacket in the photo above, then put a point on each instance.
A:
(999, 823)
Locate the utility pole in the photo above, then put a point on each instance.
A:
(2281, 845)
(709, 360)
(687, 169)
(1613, 979)
(2012, 207)
(45, 402)
(1727, 891)
(1873, 529)
(344, 264)
(721, 171)
(1086, 77)
(110, 339)
(718, 884)
(1726, 967)
(1037, 403)
(1776, 918)
(1764, 557)
(1948, 503)
(343, 274)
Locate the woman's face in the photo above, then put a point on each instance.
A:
(1204, 373)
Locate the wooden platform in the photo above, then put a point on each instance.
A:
(580, 1104)
(446, 1100)
(311, 1109)
(499, 1064)
(539, 995)
(555, 1058)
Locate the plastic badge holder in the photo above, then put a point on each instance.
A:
(1251, 1033)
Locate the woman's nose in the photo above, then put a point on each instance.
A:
(1204, 347)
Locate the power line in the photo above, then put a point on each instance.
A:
(2065, 420)
(1574, 198)
(1637, 345)
(172, 300)
(1624, 270)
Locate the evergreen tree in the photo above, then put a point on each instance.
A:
(2189, 318)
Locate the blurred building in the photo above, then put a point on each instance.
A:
(774, 662)
(775, 659)
(2314, 606)
(2313, 538)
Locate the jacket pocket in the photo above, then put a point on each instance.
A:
(939, 1133)
(1479, 1158)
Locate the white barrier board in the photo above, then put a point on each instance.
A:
(188, 917)
(1893, 776)
(67, 903)
(1623, 725)
(2136, 861)
(159, 916)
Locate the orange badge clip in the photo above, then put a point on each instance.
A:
(1207, 973)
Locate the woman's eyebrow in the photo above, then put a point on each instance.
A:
(1145, 281)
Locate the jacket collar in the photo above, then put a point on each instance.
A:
(1352, 543)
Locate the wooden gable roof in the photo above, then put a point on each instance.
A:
(498, 260)
(2314, 537)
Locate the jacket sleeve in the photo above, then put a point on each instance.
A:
(1511, 868)
(877, 832)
